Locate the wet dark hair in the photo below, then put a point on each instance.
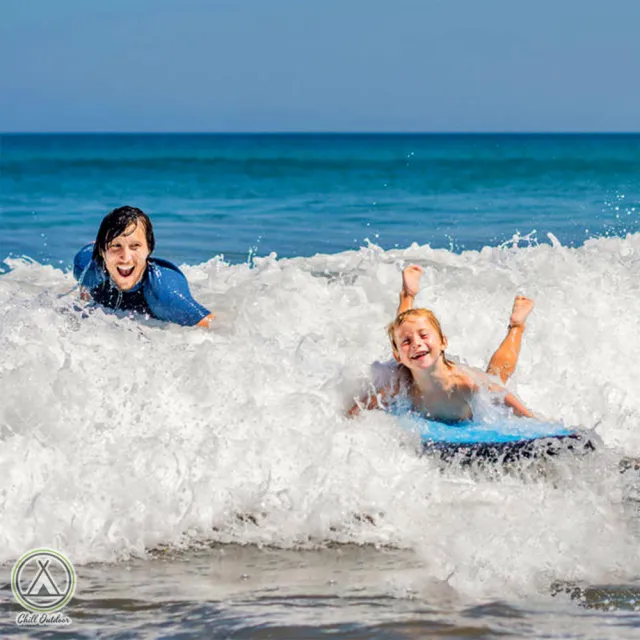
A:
(115, 224)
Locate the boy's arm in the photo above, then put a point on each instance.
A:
(377, 400)
(518, 408)
(85, 270)
(406, 302)
(511, 401)
(410, 287)
(206, 321)
(167, 293)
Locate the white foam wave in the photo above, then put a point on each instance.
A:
(117, 436)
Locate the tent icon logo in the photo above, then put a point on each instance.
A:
(43, 580)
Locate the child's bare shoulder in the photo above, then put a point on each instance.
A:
(466, 378)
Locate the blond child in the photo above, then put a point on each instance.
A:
(431, 383)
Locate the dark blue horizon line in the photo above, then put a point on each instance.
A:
(321, 133)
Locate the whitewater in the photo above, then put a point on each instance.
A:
(121, 437)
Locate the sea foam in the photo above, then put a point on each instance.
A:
(118, 436)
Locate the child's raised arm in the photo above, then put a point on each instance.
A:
(410, 287)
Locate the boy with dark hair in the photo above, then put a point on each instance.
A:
(118, 272)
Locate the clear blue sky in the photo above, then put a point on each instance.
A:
(319, 65)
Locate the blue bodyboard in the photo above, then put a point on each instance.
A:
(500, 441)
(504, 431)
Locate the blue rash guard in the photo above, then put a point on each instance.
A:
(162, 293)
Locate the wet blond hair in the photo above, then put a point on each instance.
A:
(401, 318)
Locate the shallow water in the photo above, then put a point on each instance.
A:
(348, 591)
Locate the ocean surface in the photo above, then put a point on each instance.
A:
(207, 483)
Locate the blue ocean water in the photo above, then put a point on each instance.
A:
(297, 195)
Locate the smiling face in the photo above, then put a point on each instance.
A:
(125, 257)
(418, 343)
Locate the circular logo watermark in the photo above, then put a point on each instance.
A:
(43, 580)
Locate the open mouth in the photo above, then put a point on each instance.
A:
(125, 272)
(419, 355)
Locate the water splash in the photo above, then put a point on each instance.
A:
(117, 436)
